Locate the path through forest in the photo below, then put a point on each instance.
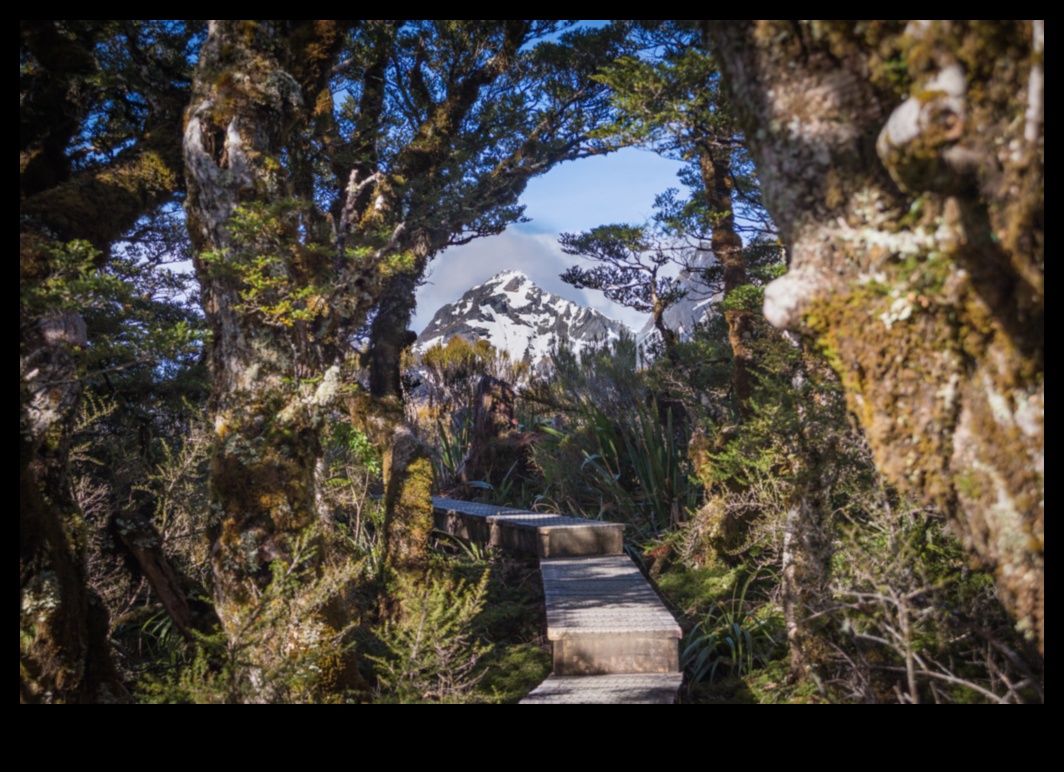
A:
(613, 640)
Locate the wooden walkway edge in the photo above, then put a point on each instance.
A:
(614, 641)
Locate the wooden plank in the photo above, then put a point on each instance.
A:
(544, 535)
(608, 690)
(603, 618)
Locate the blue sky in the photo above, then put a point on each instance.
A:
(573, 197)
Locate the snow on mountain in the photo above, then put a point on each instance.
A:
(700, 303)
(515, 315)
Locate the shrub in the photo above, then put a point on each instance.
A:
(433, 655)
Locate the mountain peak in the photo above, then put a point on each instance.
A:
(511, 281)
(515, 315)
(508, 275)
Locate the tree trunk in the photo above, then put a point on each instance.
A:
(283, 300)
(916, 229)
(270, 382)
(670, 341)
(389, 336)
(818, 441)
(409, 482)
(409, 520)
(64, 654)
(727, 244)
(807, 552)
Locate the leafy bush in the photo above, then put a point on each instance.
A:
(616, 450)
(450, 373)
(433, 655)
(280, 649)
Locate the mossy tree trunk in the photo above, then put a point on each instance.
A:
(409, 483)
(266, 268)
(904, 164)
(807, 553)
(715, 164)
(819, 434)
(390, 337)
(409, 476)
(64, 651)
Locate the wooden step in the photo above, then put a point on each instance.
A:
(608, 690)
(604, 618)
(547, 536)
(614, 641)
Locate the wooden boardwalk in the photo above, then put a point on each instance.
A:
(614, 641)
(546, 536)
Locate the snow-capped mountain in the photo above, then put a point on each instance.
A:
(515, 315)
(701, 301)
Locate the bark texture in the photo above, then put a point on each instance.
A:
(807, 553)
(390, 337)
(409, 483)
(904, 164)
(275, 362)
(719, 183)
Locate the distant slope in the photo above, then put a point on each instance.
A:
(700, 303)
(516, 316)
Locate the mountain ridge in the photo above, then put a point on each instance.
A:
(513, 314)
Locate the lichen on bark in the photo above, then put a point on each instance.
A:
(897, 159)
(277, 351)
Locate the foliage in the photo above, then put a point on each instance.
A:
(450, 373)
(914, 623)
(736, 638)
(670, 99)
(282, 653)
(633, 266)
(75, 283)
(670, 95)
(433, 655)
(615, 450)
(515, 671)
(350, 498)
(644, 467)
(138, 445)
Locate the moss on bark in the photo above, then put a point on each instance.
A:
(924, 288)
